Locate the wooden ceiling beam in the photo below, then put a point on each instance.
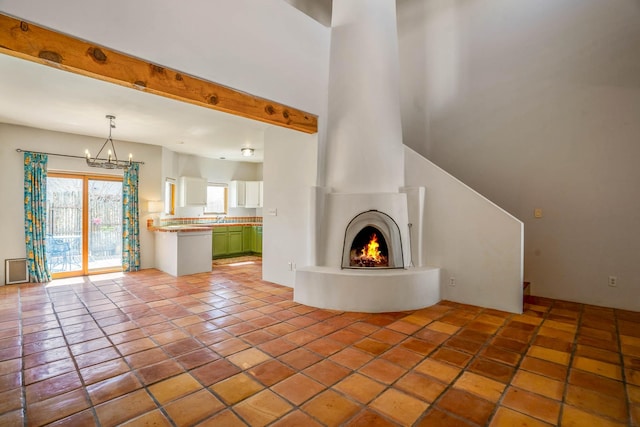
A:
(28, 41)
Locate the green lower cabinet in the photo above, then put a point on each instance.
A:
(220, 242)
(247, 238)
(252, 248)
(235, 240)
(257, 241)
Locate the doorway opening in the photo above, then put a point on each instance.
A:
(84, 224)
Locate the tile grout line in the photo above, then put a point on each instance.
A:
(144, 385)
(458, 375)
(440, 346)
(379, 357)
(231, 407)
(504, 325)
(23, 387)
(72, 356)
(133, 371)
(322, 358)
(187, 371)
(108, 337)
(300, 371)
(240, 294)
(523, 355)
(623, 371)
(572, 355)
(335, 316)
(222, 357)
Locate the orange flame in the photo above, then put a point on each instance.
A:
(370, 251)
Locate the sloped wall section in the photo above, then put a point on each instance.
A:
(478, 245)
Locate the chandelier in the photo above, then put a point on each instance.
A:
(111, 162)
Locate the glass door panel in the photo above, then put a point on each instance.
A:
(64, 224)
(105, 224)
(84, 224)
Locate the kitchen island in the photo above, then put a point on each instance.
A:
(182, 250)
(187, 245)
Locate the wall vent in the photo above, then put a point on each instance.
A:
(16, 271)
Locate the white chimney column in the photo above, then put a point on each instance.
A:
(364, 152)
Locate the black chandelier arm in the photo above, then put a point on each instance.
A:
(111, 162)
(20, 150)
(108, 140)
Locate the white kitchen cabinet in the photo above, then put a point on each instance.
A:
(237, 194)
(245, 194)
(193, 191)
(252, 194)
(181, 253)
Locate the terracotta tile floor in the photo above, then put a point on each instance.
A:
(227, 349)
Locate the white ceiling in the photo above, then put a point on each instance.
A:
(43, 97)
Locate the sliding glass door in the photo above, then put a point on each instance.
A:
(105, 224)
(64, 224)
(84, 224)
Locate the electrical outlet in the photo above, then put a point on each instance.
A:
(452, 281)
(613, 281)
(290, 265)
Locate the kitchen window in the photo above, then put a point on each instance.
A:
(216, 199)
(170, 196)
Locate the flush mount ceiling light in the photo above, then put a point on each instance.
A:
(247, 152)
(111, 162)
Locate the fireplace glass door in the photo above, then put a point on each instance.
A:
(372, 240)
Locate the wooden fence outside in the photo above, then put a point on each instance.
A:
(64, 221)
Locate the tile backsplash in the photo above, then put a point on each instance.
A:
(210, 220)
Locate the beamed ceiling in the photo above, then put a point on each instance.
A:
(73, 95)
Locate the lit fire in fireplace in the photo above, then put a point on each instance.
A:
(370, 255)
(371, 251)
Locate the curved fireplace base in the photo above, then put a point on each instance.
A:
(367, 291)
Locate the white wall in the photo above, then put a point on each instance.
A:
(12, 178)
(289, 169)
(537, 105)
(471, 239)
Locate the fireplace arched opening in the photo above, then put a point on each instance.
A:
(373, 241)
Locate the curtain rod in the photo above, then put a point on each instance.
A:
(20, 150)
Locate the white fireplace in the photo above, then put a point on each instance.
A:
(364, 176)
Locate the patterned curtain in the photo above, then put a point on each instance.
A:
(35, 215)
(130, 224)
